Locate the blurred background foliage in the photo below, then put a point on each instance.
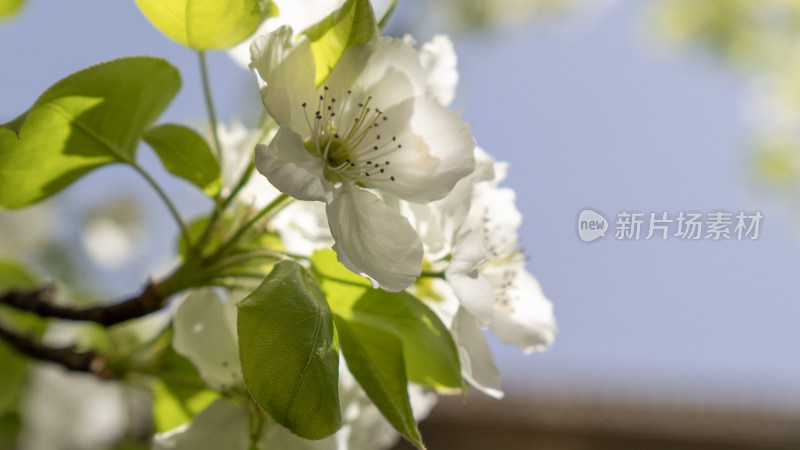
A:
(761, 41)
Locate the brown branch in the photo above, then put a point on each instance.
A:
(40, 301)
(89, 361)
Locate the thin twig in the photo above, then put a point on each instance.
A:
(67, 357)
(40, 301)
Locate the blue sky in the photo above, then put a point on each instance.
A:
(589, 115)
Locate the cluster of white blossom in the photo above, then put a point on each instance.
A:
(392, 180)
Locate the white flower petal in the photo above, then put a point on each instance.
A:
(474, 292)
(205, 335)
(258, 192)
(523, 316)
(477, 364)
(495, 216)
(432, 229)
(290, 168)
(221, 425)
(303, 227)
(238, 144)
(439, 61)
(287, 67)
(386, 69)
(374, 240)
(70, 410)
(436, 152)
(439, 222)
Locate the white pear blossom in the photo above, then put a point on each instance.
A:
(205, 333)
(302, 226)
(237, 142)
(369, 132)
(521, 314)
(439, 61)
(472, 234)
(487, 271)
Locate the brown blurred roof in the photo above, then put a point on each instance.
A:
(583, 422)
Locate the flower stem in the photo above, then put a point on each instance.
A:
(244, 228)
(432, 275)
(256, 426)
(165, 198)
(212, 115)
(387, 15)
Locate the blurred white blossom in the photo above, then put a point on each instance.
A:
(65, 410)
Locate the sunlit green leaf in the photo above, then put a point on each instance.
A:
(10, 7)
(431, 357)
(352, 24)
(375, 357)
(289, 354)
(185, 154)
(206, 24)
(90, 118)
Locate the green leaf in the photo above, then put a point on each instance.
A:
(431, 357)
(206, 24)
(90, 118)
(179, 394)
(185, 154)
(10, 7)
(289, 353)
(375, 357)
(14, 276)
(352, 24)
(10, 427)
